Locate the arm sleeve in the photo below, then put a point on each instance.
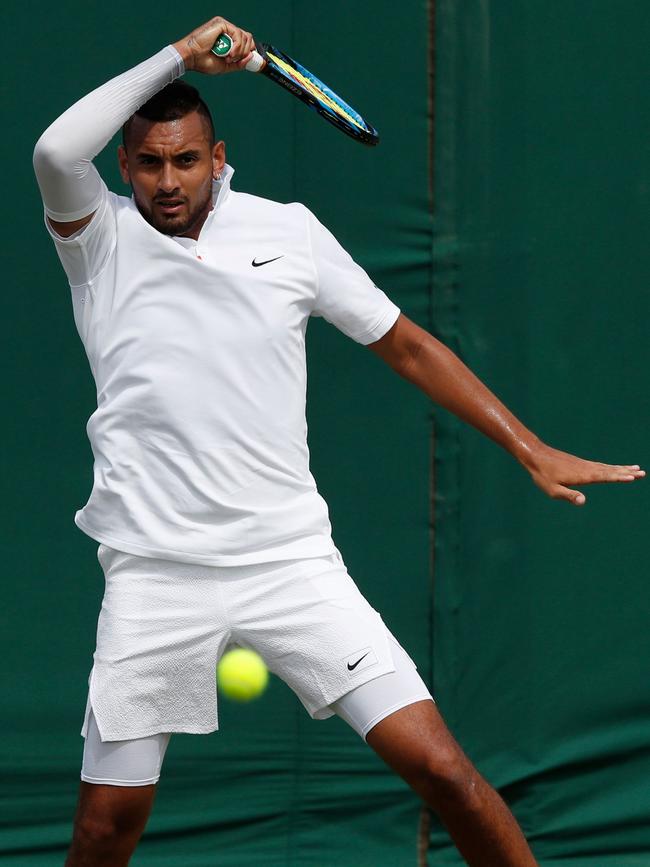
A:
(70, 185)
(346, 296)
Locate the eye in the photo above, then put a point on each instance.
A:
(188, 159)
(146, 160)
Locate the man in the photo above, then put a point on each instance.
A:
(192, 302)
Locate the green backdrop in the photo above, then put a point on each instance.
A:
(542, 260)
(528, 617)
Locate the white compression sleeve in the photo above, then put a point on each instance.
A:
(70, 185)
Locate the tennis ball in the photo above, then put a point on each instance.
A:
(242, 674)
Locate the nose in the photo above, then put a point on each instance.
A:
(168, 181)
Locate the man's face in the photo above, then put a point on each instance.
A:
(170, 166)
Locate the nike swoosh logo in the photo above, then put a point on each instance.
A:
(352, 667)
(265, 262)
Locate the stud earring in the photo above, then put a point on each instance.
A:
(217, 177)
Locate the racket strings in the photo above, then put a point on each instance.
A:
(312, 85)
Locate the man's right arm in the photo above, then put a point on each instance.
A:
(70, 185)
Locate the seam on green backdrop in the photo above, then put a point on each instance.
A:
(430, 325)
(424, 825)
(445, 316)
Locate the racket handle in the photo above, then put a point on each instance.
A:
(222, 48)
(256, 63)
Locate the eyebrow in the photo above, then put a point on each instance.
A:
(187, 153)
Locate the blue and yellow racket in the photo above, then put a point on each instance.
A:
(288, 73)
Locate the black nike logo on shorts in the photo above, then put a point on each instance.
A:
(265, 262)
(352, 667)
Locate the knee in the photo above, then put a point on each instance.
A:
(101, 842)
(450, 783)
(96, 833)
(106, 828)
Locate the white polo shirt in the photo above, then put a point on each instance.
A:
(198, 354)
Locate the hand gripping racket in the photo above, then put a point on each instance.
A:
(288, 73)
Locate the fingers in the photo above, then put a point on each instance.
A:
(615, 473)
(241, 50)
(199, 45)
(553, 471)
(572, 470)
(242, 63)
(559, 492)
(242, 42)
(634, 470)
(596, 473)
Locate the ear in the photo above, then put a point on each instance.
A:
(124, 164)
(218, 158)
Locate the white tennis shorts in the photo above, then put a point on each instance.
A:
(163, 626)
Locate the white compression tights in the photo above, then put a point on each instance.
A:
(138, 762)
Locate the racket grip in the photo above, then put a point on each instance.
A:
(256, 63)
(222, 48)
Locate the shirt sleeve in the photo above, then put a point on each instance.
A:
(346, 296)
(85, 253)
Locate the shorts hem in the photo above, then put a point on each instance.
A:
(159, 729)
(163, 729)
(324, 711)
(397, 706)
(109, 782)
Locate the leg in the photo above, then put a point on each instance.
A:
(115, 799)
(416, 743)
(108, 824)
(398, 718)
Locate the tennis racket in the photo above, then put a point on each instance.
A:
(288, 73)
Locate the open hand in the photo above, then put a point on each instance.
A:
(553, 471)
(196, 47)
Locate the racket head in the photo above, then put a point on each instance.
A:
(291, 75)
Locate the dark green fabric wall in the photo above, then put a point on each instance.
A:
(542, 194)
(539, 648)
(272, 787)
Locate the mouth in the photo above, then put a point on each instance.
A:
(170, 206)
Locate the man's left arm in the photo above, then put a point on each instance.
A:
(426, 362)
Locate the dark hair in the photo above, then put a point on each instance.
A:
(174, 101)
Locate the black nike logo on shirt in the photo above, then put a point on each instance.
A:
(352, 667)
(265, 262)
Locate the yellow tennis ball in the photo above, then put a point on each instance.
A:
(242, 674)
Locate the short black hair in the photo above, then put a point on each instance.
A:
(174, 101)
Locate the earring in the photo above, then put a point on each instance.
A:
(217, 177)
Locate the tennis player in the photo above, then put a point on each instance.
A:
(192, 302)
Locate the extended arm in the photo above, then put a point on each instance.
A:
(426, 362)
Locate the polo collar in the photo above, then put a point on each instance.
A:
(221, 188)
(220, 194)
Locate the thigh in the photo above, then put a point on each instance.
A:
(313, 628)
(416, 743)
(367, 705)
(400, 721)
(134, 762)
(160, 631)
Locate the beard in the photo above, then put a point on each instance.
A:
(175, 224)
